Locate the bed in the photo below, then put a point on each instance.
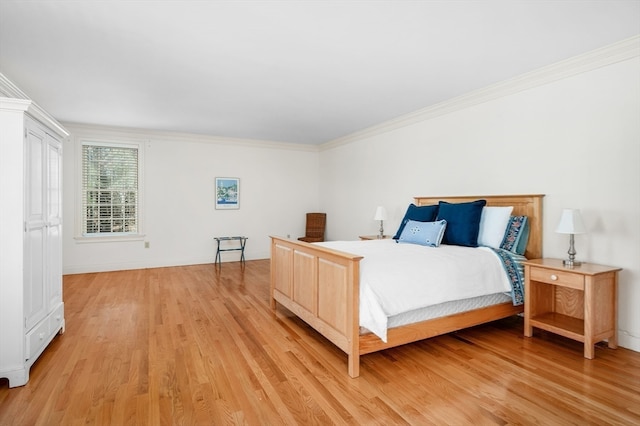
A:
(321, 285)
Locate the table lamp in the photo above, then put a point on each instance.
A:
(571, 223)
(381, 215)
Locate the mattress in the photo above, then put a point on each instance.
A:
(444, 309)
(447, 308)
(398, 279)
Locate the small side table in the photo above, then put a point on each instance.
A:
(579, 302)
(373, 237)
(241, 240)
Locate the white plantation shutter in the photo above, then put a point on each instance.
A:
(110, 190)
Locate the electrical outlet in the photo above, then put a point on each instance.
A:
(146, 244)
(288, 236)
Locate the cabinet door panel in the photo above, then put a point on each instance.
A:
(35, 298)
(35, 177)
(54, 178)
(35, 289)
(54, 273)
(54, 222)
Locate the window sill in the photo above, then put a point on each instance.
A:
(109, 238)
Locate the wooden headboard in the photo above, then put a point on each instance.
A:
(523, 205)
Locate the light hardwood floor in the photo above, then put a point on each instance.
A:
(199, 345)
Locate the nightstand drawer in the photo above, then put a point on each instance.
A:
(559, 278)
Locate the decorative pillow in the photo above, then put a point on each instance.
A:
(517, 235)
(463, 222)
(423, 233)
(493, 225)
(419, 214)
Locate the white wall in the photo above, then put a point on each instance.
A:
(278, 184)
(575, 139)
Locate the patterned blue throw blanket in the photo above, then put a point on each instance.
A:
(512, 264)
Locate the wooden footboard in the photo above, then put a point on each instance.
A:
(321, 286)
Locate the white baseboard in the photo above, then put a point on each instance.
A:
(155, 263)
(628, 341)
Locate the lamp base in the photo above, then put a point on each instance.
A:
(571, 261)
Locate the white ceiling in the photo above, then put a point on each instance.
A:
(291, 71)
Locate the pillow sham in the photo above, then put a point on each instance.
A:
(419, 214)
(517, 235)
(493, 225)
(463, 222)
(423, 233)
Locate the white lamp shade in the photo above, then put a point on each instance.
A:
(381, 214)
(571, 222)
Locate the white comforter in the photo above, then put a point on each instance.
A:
(397, 278)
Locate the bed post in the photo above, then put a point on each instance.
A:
(354, 364)
(272, 270)
(353, 316)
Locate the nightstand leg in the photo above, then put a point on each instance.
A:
(528, 329)
(589, 349)
(613, 340)
(589, 317)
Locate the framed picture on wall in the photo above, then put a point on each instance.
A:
(227, 193)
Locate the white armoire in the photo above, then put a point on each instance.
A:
(31, 305)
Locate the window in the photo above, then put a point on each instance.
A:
(110, 189)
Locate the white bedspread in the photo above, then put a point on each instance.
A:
(397, 278)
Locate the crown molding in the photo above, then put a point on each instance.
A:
(12, 98)
(10, 90)
(103, 131)
(611, 54)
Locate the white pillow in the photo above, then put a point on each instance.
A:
(493, 225)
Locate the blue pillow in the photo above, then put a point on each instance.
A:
(419, 214)
(517, 235)
(463, 222)
(423, 233)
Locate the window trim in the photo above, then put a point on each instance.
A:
(111, 237)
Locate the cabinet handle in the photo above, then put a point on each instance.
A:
(41, 336)
(554, 277)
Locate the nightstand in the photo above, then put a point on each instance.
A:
(579, 302)
(373, 237)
